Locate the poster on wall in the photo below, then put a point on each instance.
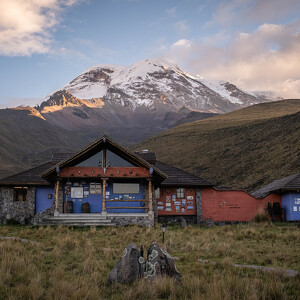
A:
(168, 209)
(160, 203)
(190, 207)
(86, 193)
(173, 197)
(294, 208)
(168, 198)
(190, 197)
(183, 202)
(190, 202)
(107, 193)
(177, 208)
(160, 208)
(76, 192)
(177, 203)
(182, 209)
(168, 204)
(297, 200)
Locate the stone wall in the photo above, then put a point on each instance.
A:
(20, 211)
(177, 219)
(199, 205)
(132, 220)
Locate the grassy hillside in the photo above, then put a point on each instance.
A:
(74, 264)
(242, 149)
(27, 140)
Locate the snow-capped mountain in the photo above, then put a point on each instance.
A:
(159, 86)
(140, 100)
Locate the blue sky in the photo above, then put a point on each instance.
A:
(46, 43)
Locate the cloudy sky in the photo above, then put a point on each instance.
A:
(46, 43)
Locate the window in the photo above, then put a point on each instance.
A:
(95, 188)
(126, 188)
(157, 193)
(20, 193)
(180, 192)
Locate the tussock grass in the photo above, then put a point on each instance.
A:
(243, 149)
(71, 263)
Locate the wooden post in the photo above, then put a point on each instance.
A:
(57, 196)
(150, 195)
(104, 194)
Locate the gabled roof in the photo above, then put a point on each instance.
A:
(150, 157)
(179, 177)
(291, 182)
(97, 146)
(28, 177)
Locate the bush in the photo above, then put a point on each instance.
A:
(261, 216)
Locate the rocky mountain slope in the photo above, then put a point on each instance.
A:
(242, 149)
(148, 96)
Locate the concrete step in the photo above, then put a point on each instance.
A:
(81, 216)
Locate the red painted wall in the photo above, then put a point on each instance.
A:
(232, 205)
(167, 198)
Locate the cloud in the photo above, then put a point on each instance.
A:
(266, 59)
(171, 12)
(239, 12)
(25, 26)
(181, 27)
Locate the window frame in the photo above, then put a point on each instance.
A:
(94, 190)
(20, 191)
(180, 192)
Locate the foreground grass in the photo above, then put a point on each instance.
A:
(74, 263)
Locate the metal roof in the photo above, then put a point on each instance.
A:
(291, 182)
(179, 177)
(28, 177)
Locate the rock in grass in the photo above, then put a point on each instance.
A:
(208, 223)
(182, 223)
(160, 263)
(132, 265)
(128, 268)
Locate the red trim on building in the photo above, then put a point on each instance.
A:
(124, 172)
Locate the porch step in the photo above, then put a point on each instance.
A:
(80, 220)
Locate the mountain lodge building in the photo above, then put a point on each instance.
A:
(106, 184)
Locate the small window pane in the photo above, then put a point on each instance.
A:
(180, 192)
(20, 194)
(95, 188)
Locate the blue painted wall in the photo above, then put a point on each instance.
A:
(291, 205)
(95, 200)
(116, 203)
(42, 200)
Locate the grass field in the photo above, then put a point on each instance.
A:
(74, 263)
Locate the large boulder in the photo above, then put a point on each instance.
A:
(159, 263)
(128, 268)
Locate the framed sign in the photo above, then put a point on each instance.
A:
(177, 203)
(168, 209)
(160, 208)
(190, 207)
(168, 198)
(168, 204)
(76, 192)
(190, 198)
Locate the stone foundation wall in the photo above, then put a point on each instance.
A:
(132, 220)
(20, 211)
(177, 219)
